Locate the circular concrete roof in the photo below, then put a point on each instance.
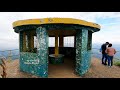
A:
(55, 21)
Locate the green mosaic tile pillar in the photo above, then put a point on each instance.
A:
(36, 63)
(42, 50)
(83, 55)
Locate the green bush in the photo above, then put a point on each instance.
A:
(117, 63)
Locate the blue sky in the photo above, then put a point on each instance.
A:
(109, 22)
(109, 30)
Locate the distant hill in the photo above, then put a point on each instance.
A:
(13, 54)
(95, 52)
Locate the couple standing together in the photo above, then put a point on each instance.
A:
(108, 53)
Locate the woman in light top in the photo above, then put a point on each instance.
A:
(110, 54)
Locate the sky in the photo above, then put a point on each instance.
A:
(109, 22)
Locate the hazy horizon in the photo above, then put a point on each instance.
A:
(68, 44)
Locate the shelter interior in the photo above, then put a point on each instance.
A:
(69, 52)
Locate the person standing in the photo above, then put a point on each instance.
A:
(110, 54)
(104, 55)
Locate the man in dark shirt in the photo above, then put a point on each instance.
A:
(104, 55)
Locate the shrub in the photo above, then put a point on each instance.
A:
(117, 63)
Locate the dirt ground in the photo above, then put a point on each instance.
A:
(66, 70)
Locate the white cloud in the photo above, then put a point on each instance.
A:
(7, 34)
(109, 33)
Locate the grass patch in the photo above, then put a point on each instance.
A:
(117, 63)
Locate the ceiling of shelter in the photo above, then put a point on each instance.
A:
(61, 32)
(52, 33)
